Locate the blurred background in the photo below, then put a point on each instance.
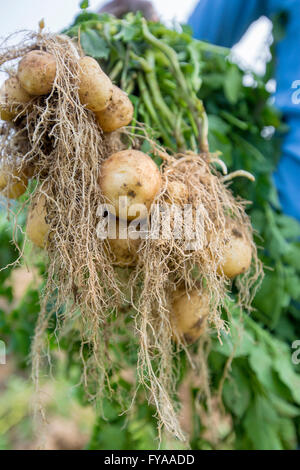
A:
(251, 52)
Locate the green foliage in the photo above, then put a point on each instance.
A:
(262, 392)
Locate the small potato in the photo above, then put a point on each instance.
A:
(118, 113)
(12, 97)
(125, 252)
(36, 72)
(189, 313)
(238, 254)
(132, 174)
(12, 183)
(177, 193)
(37, 228)
(96, 88)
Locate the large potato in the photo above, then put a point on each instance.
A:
(95, 88)
(12, 97)
(13, 183)
(118, 113)
(36, 72)
(189, 313)
(37, 228)
(132, 174)
(238, 253)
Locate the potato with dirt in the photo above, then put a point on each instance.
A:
(189, 313)
(37, 228)
(36, 72)
(96, 88)
(119, 112)
(238, 253)
(133, 175)
(13, 182)
(12, 99)
(177, 193)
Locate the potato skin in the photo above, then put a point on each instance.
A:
(177, 193)
(189, 313)
(12, 95)
(12, 183)
(133, 174)
(95, 88)
(36, 72)
(238, 254)
(117, 114)
(37, 227)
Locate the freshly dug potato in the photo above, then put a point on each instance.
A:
(177, 193)
(238, 255)
(118, 113)
(37, 228)
(96, 88)
(13, 183)
(36, 72)
(125, 252)
(132, 174)
(189, 314)
(12, 95)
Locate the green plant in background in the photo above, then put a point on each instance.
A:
(168, 76)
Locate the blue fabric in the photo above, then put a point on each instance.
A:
(224, 22)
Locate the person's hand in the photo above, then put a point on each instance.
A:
(119, 8)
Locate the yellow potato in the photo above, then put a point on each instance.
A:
(12, 97)
(189, 313)
(96, 88)
(13, 183)
(37, 228)
(132, 174)
(238, 254)
(117, 114)
(36, 72)
(177, 193)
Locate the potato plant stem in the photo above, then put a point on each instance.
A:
(144, 93)
(184, 87)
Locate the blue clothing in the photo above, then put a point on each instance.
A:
(224, 22)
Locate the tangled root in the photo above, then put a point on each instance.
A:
(190, 260)
(61, 143)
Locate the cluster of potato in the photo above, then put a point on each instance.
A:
(129, 173)
(35, 77)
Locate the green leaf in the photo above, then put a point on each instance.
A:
(284, 408)
(84, 4)
(93, 44)
(239, 342)
(292, 256)
(262, 425)
(237, 391)
(232, 84)
(283, 366)
(215, 123)
(261, 363)
(271, 297)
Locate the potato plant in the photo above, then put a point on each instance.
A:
(261, 392)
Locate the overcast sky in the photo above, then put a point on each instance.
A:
(25, 14)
